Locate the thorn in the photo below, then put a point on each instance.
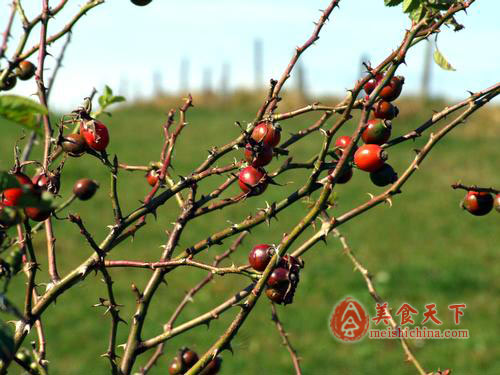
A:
(389, 200)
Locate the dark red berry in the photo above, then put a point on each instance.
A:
(370, 158)
(393, 89)
(48, 183)
(372, 83)
(177, 366)
(260, 256)
(189, 357)
(267, 133)
(344, 176)
(258, 156)
(152, 177)
(377, 132)
(253, 181)
(212, 367)
(278, 278)
(85, 188)
(25, 70)
(478, 203)
(95, 134)
(275, 295)
(38, 213)
(384, 176)
(385, 110)
(141, 3)
(9, 83)
(74, 144)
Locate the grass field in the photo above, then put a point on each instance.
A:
(424, 249)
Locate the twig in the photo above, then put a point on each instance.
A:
(285, 339)
(6, 33)
(373, 292)
(188, 298)
(298, 51)
(475, 188)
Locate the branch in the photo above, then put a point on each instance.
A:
(373, 292)
(285, 339)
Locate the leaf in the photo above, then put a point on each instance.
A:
(22, 111)
(8, 181)
(440, 4)
(392, 3)
(410, 5)
(417, 14)
(107, 98)
(441, 61)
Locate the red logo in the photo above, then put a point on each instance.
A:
(349, 321)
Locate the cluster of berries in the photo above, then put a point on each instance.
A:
(186, 358)
(25, 70)
(283, 281)
(259, 152)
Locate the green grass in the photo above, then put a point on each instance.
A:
(424, 249)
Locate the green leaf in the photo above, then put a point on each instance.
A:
(22, 111)
(8, 181)
(411, 5)
(441, 61)
(107, 98)
(392, 3)
(440, 4)
(417, 14)
(6, 342)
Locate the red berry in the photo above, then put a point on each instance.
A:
(385, 110)
(258, 156)
(40, 181)
(189, 357)
(372, 83)
(8, 83)
(260, 256)
(278, 278)
(393, 89)
(497, 202)
(377, 132)
(11, 197)
(478, 203)
(275, 295)
(95, 134)
(384, 176)
(152, 177)
(343, 142)
(267, 133)
(177, 366)
(253, 181)
(344, 176)
(44, 182)
(37, 213)
(85, 188)
(25, 70)
(370, 158)
(213, 367)
(74, 144)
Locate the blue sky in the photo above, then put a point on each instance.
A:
(118, 41)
